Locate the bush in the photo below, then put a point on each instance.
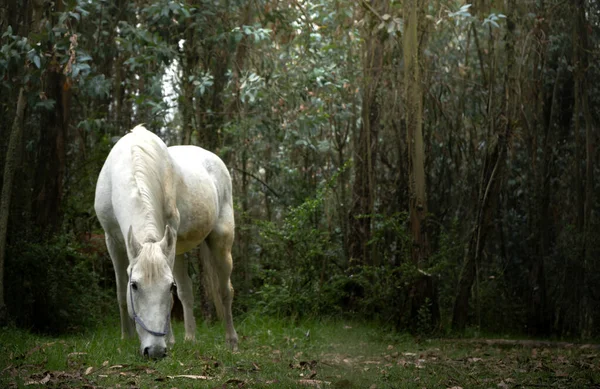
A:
(51, 287)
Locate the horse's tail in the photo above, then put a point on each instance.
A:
(210, 278)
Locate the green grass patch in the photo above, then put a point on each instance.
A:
(284, 354)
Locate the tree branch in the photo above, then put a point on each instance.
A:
(259, 180)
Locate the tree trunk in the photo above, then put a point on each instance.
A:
(585, 186)
(365, 151)
(189, 63)
(16, 136)
(488, 194)
(51, 158)
(414, 131)
(490, 185)
(423, 292)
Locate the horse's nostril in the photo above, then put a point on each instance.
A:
(155, 352)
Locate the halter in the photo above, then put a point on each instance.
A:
(139, 321)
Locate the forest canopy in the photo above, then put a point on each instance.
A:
(427, 164)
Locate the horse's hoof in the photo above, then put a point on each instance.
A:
(233, 344)
(190, 338)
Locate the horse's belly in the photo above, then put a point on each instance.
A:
(190, 240)
(196, 223)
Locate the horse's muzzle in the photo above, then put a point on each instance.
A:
(155, 352)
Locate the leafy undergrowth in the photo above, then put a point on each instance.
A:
(281, 354)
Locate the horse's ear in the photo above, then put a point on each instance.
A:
(167, 244)
(132, 243)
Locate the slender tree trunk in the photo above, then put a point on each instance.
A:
(14, 143)
(488, 194)
(585, 185)
(189, 63)
(235, 110)
(51, 157)
(365, 152)
(423, 292)
(414, 130)
(490, 185)
(51, 161)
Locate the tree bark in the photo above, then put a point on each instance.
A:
(490, 185)
(189, 63)
(585, 186)
(16, 136)
(365, 151)
(488, 194)
(51, 158)
(414, 130)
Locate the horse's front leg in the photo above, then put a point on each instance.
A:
(118, 255)
(185, 292)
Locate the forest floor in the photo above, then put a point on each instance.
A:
(282, 354)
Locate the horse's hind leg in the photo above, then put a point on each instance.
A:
(219, 242)
(118, 254)
(185, 292)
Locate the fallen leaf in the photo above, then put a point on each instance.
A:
(105, 363)
(88, 370)
(192, 377)
(472, 360)
(235, 381)
(45, 380)
(315, 383)
(76, 353)
(390, 347)
(456, 387)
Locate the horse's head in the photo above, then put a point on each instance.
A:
(149, 292)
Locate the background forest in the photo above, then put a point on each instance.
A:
(426, 164)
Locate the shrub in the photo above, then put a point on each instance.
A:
(51, 287)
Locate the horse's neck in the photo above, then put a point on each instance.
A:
(153, 177)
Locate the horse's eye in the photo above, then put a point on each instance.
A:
(173, 287)
(134, 285)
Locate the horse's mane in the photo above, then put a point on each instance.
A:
(151, 174)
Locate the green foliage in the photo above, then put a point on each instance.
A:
(52, 287)
(280, 84)
(300, 258)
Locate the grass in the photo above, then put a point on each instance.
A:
(283, 354)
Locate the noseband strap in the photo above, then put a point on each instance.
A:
(139, 321)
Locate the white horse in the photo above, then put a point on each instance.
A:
(156, 203)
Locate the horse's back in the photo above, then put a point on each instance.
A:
(204, 194)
